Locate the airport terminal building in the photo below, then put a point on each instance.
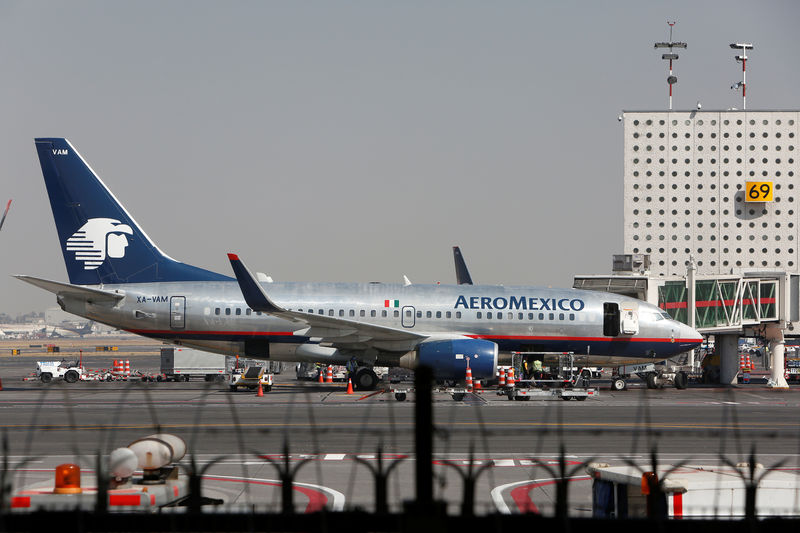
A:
(711, 217)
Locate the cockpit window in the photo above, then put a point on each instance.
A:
(666, 315)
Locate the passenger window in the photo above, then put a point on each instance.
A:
(227, 310)
(572, 316)
(530, 316)
(258, 313)
(330, 312)
(238, 311)
(341, 312)
(408, 313)
(248, 311)
(419, 314)
(352, 313)
(478, 314)
(372, 313)
(362, 313)
(541, 316)
(384, 314)
(552, 316)
(321, 312)
(519, 316)
(499, 315)
(458, 314)
(488, 314)
(448, 314)
(216, 311)
(511, 316)
(561, 316)
(428, 314)
(438, 314)
(396, 314)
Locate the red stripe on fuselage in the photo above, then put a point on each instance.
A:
(565, 338)
(183, 332)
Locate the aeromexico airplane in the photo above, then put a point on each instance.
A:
(119, 277)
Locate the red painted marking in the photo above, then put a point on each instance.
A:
(175, 490)
(677, 505)
(386, 303)
(20, 501)
(233, 257)
(152, 499)
(521, 494)
(316, 498)
(124, 499)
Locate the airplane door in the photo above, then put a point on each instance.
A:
(408, 316)
(177, 312)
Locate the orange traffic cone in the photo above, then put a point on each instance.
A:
(478, 385)
(329, 375)
(501, 382)
(349, 386)
(321, 379)
(469, 378)
(260, 392)
(510, 378)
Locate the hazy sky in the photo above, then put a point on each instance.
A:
(359, 141)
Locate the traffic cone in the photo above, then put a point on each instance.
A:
(260, 392)
(349, 386)
(469, 378)
(321, 379)
(501, 380)
(329, 375)
(478, 385)
(510, 378)
(127, 369)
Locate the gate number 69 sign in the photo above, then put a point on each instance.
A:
(758, 191)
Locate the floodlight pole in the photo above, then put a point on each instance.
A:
(743, 58)
(671, 79)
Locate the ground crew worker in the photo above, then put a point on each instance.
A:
(537, 369)
(526, 369)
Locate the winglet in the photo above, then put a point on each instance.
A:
(252, 291)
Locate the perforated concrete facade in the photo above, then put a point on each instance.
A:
(685, 175)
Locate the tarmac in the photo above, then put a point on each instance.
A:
(325, 430)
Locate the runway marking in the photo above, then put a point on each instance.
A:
(318, 495)
(521, 493)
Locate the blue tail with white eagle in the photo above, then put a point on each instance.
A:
(100, 241)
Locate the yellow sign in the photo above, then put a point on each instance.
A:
(758, 191)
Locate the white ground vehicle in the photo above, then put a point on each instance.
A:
(181, 364)
(69, 371)
(250, 377)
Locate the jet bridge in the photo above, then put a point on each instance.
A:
(752, 304)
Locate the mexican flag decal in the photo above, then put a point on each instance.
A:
(391, 303)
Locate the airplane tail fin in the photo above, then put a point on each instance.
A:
(100, 241)
(462, 273)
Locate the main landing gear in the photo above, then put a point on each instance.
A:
(365, 379)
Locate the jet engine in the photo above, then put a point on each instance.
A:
(448, 358)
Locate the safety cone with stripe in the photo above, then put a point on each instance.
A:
(321, 379)
(510, 378)
(127, 369)
(501, 380)
(260, 391)
(329, 375)
(478, 386)
(469, 378)
(349, 386)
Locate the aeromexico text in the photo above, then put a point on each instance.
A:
(512, 302)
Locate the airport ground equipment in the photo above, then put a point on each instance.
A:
(69, 371)
(250, 377)
(182, 364)
(697, 491)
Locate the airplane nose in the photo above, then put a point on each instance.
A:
(690, 336)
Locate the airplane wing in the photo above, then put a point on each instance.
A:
(462, 274)
(338, 332)
(79, 292)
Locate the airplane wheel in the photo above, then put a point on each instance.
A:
(651, 381)
(71, 376)
(618, 384)
(681, 380)
(400, 396)
(46, 377)
(581, 398)
(566, 398)
(365, 379)
(458, 396)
